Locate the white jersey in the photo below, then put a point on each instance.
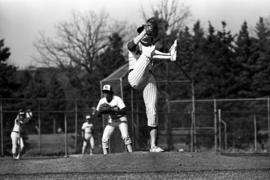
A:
(17, 125)
(133, 57)
(116, 102)
(87, 127)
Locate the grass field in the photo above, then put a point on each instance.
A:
(138, 165)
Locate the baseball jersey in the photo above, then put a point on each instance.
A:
(134, 55)
(116, 102)
(17, 125)
(132, 58)
(87, 127)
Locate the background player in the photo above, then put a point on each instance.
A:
(16, 139)
(87, 135)
(114, 109)
(141, 53)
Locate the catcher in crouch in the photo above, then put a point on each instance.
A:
(114, 108)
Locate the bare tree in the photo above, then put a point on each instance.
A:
(77, 42)
(124, 29)
(172, 12)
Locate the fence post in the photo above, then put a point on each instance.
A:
(66, 149)
(54, 126)
(76, 125)
(219, 130)
(225, 133)
(132, 118)
(169, 126)
(215, 124)
(39, 127)
(268, 119)
(255, 132)
(2, 133)
(194, 131)
(137, 120)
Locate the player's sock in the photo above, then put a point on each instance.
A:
(18, 156)
(173, 51)
(14, 156)
(105, 151)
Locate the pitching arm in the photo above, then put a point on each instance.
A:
(132, 45)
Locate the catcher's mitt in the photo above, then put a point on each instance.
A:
(148, 29)
(105, 108)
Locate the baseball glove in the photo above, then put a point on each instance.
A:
(151, 27)
(105, 108)
(148, 29)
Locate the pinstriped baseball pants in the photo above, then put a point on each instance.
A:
(141, 79)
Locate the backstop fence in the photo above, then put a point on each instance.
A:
(221, 125)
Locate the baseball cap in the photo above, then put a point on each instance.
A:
(87, 117)
(107, 88)
(21, 113)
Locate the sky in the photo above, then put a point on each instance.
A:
(22, 20)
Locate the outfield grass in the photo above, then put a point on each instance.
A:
(54, 144)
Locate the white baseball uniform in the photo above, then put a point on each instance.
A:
(88, 128)
(140, 77)
(88, 136)
(114, 121)
(15, 135)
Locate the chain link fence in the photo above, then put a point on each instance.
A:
(225, 125)
(221, 125)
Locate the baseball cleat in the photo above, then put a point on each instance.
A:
(14, 156)
(173, 51)
(156, 149)
(18, 156)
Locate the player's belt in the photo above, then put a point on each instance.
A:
(150, 71)
(16, 132)
(118, 117)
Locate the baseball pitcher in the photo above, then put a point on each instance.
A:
(141, 54)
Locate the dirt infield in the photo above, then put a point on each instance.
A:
(221, 175)
(138, 165)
